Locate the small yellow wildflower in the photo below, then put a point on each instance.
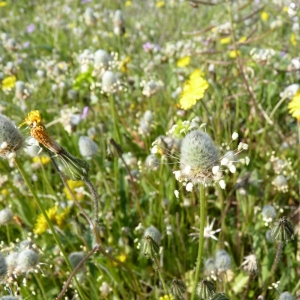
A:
(4, 192)
(73, 186)
(128, 3)
(61, 218)
(225, 40)
(160, 4)
(285, 9)
(294, 106)
(3, 3)
(264, 16)
(243, 39)
(167, 297)
(124, 63)
(183, 62)
(9, 83)
(234, 54)
(193, 90)
(41, 159)
(293, 39)
(41, 223)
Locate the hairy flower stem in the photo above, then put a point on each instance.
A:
(41, 208)
(250, 278)
(95, 249)
(157, 268)
(203, 209)
(63, 179)
(274, 267)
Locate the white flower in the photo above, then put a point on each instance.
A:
(222, 184)
(250, 263)
(208, 231)
(189, 187)
(235, 135)
(176, 192)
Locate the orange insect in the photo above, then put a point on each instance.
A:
(73, 167)
(39, 132)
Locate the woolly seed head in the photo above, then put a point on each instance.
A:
(11, 139)
(198, 156)
(27, 260)
(285, 296)
(223, 261)
(101, 59)
(205, 289)
(6, 216)
(87, 147)
(3, 267)
(75, 258)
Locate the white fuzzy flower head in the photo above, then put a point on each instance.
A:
(11, 139)
(27, 261)
(280, 183)
(87, 147)
(250, 263)
(198, 157)
(6, 216)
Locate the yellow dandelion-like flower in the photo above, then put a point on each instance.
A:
(166, 297)
(41, 159)
(183, 62)
(264, 16)
(4, 192)
(9, 83)
(294, 106)
(243, 39)
(124, 63)
(234, 53)
(293, 39)
(73, 186)
(61, 218)
(193, 90)
(225, 40)
(128, 3)
(160, 4)
(41, 223)
(3, 3)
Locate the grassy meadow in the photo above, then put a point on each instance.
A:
(158, 152)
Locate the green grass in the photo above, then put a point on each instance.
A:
(241, 96)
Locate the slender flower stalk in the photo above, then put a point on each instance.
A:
(203, 212)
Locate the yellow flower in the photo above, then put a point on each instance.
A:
(4, 192)
(3, 3)
(160, 4)
(243, 39)
(293, 39)
(294, 106)
(225, 40)
(73, 186)
(264, 16)
(124, 63)
(193, 90)
(41, 223)
(61, 218)
(167, 297)
(8, 83)
(234, 54)
(183, 62)
(127, 3)
(41, 159)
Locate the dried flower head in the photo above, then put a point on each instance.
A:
(11, 139)
(222, 261)
(282, 231)
(250, 263)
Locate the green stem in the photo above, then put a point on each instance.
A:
(203, 209)
(50, 225)
(160, 275)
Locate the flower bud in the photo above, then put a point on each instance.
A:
(282, 231)
(152, 238)
(87, 147)
(177, 289)
(205, 289)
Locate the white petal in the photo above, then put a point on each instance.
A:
(3, 145)
(245, 146)
(154, 149)
(177, 174)
(176, 192)
(189, 187)
(187, 170)
(215, 169)
(222, 184)
(247, 160)
(232, 168)
(235, 135)
(224, 161)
